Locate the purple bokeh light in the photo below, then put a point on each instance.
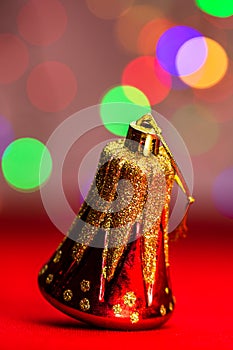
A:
(169, 44)
(191, 56)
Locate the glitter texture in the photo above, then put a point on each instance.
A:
(117, 310)
(57, 257)
(141, 197)
(78, 251)
(134, 317)
(85, 285)
(67, 295)
(84, 304)
(129, 299)
(116, 250)
(49, 278)
(44, 268)
(162, 310)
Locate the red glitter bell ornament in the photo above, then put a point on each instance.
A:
(112, 268)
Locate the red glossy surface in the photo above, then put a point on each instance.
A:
(128, 278)
(201, 274)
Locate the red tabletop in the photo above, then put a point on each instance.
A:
(201, 272)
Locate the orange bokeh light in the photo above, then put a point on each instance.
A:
(211, 72)
(150, 34)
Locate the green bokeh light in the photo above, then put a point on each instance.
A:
(26, 164)
(120, 106)
(217, 8)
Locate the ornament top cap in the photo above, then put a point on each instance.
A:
(146, 133)
(147, 125)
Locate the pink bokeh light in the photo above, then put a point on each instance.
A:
(42, 22)
(146, 74)
(51, 86)
(14, 58)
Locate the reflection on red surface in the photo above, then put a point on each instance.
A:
(201, 269)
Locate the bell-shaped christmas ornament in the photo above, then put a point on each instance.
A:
(112, 268)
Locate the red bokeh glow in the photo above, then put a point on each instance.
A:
(147, 75)
(13, 59)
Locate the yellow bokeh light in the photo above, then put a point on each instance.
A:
(213, 69)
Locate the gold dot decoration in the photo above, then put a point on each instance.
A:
(44, 268)
(170, 306)
(85, 285)
(163, 310)
(117, 310)
(167, 290)
(49, 278)
(130, 299)
(57, 257)
(84, 304)
(134, 317)
(67, 295)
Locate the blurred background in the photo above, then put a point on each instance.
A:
(59, 57)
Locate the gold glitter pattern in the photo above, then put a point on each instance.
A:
(166, 164)
(85, 285)
(142, 198)
(84, 304)
(78, 251)
(150, 247)
(104, 272)
(141, 174)
(129, 299)
(117, 310)
(44, 268)
(57, 257)
(170, 306)
(162, 310)
(67, 295)
(49, 278)
(156, 203)
(165, 234)
(167, 290)
(134, 317)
